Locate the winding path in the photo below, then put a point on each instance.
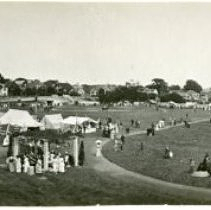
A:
(178, 191)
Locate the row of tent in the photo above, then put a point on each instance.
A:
(24, 120)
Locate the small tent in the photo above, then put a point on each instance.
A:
(54, 121)
(19, 118)
(88, 123)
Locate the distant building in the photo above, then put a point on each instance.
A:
(94, 92)
(189, 95)
(132, 83)
(150, 91)
(78, 89)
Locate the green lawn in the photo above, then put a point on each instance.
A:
(185, 144)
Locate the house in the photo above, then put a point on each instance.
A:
(78, 89)
(150, 91)
(204, 98)
(3, 90)
(94, 92)
(193, 95)
(132, 83)
(189, 95)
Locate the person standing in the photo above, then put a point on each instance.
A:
(122, 138)
(39, 166)
(61, 165)
(192, 166)
(11, 163)
(26, 165)
(66, 160)
(18, 164)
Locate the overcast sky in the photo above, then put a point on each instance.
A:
(106, 42)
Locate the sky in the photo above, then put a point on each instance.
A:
(112, 43)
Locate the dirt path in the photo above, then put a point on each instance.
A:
(178, 191)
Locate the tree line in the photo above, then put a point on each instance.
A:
(118, 94)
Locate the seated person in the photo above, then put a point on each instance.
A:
(203, 166)
(168, 153)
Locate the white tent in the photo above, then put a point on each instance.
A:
(20, 118)
(54, 121)
(80, 121)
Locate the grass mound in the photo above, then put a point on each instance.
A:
(185, 144)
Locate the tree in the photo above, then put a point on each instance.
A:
(160, 85)
(14, 89)
(30, 91)
(172, 97)
(50, 91)
(2, 79)
(192, 85)
(174, 87)
(81, 157)
(101, 95)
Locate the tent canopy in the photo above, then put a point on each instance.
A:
(74, 120)
(54, 121)
(19, 118)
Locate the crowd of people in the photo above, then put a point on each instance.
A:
(35, 164)
(31, 158)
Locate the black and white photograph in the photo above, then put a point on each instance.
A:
(105, 104)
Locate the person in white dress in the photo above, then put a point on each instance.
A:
(26, 164)
(55, 164)
(61, 165)
(10, 161)
(18, 165)
(39, 166)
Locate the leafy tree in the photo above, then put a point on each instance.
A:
(152, 96)
(142, 96)
(14, 89)
(192, 85)
(50, 91)
(2, 79)
(160, 85)
(30, 91)
(172, 97)
(174, 87)
(41, 91)
(101, 95)
(64, 88)
(74, 93)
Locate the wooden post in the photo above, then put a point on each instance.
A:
(46, 153)
(76, 151)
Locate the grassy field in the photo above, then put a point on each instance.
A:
(146, 115)
(80, 186)
(185, 144)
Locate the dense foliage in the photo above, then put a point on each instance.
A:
(192, 85)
